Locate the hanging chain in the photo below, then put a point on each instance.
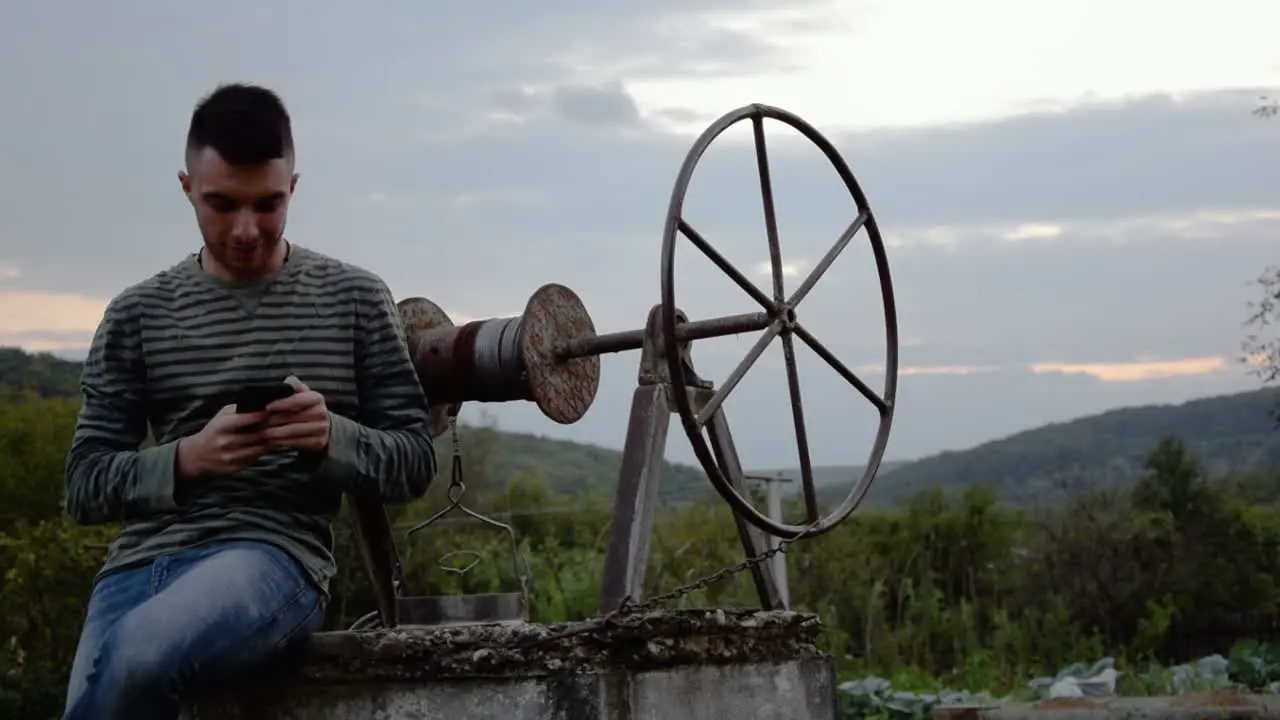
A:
(631, 607)
(456, 488)
(456, 485)
(628, 606)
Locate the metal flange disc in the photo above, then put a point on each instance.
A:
(562, 389)
(420, 315)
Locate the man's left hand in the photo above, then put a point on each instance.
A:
(300, 421)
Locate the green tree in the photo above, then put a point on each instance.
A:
(1173, 483)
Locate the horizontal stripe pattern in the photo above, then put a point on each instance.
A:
(172, 351)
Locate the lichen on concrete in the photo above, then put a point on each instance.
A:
(638, 642)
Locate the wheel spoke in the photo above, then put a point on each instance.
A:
(840, 368)
(825, 264)
(713, 404)
(770, 213)
(727, 267)
(802, 432)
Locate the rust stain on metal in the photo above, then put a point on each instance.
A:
(478, 360)
(421, 318)
(562, 389)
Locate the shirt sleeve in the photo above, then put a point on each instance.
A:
(108, 479)
(387, 450)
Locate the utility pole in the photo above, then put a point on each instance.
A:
(777, 563)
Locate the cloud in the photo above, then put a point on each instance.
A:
(72, 345)
(1206, 225)
(35, 311)
(1051, 253)
(909, 370)
(875, 64)
(1032, 231)
(606, 104)
(794, 269)
(44, 321)
(1132, 371)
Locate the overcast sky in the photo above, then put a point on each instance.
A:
(1074, 192)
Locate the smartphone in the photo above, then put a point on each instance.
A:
(256, 398)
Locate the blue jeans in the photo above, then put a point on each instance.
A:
(190, 621)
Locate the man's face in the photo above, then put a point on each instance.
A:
(240, 210)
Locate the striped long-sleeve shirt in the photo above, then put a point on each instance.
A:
(173, 350)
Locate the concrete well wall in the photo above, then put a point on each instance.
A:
(686, 665)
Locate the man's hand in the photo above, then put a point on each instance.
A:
(300, 421)
(227, 444)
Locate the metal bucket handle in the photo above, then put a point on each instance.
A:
(456, 489)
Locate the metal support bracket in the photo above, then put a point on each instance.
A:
(640, 477)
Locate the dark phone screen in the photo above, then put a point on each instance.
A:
(255, 398)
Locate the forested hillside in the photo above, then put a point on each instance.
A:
(43, 374)
(1227, 433)
(1230, 432)
(567, 467)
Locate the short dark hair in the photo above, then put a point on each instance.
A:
(246, 124)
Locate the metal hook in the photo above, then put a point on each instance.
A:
(456, 489)
(455, 493)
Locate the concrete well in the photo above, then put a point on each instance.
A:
(685, 665)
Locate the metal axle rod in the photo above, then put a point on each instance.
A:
(685, 332)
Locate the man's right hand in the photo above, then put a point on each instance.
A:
(228, 444)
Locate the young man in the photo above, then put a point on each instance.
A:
(226, 550)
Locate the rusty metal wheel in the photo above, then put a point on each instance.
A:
(785, 324)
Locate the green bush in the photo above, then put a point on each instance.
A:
(944, 592)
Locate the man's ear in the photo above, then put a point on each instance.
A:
(185, 181)
(293, 182)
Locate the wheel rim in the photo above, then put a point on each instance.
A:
(675, 226)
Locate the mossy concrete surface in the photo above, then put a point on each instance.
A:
(683, 665)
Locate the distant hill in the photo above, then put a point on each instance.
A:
(574, 469)
(1230, 432)
(833, 482)
(566, 467)
(1226, 433)
(41, 373)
